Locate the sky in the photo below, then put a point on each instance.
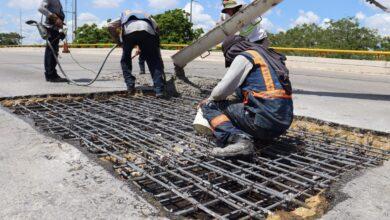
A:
(206, 13)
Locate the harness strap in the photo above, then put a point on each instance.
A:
(271, 92)
(276, 94)
(259, 61)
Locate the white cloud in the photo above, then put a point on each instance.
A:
(325, 23)
(306, 18)
(24, 4)
(199, 17)
(381, 22)
(267, 24)
(163, 4)
(360, 16)
(106, 3)
(88, 18)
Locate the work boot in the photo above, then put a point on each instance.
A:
(131, 89)
(57, 79)
(241, 146)
(160, 93)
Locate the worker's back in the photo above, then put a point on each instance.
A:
(267, 92)
(133, 21)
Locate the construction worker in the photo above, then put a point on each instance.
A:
(52, 10)
(253, 31)
(263, 109)
(138, 28)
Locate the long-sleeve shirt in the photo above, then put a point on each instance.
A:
(233, 79)
(49, 7)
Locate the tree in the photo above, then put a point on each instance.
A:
(176, 28)
(10, 38)
(345, 33)
(92, 34)
(385, 43)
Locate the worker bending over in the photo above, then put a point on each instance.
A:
(264, 109)
(138, 28)
(253, 31)
(54, 22)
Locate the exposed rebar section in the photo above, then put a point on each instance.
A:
(151, 142)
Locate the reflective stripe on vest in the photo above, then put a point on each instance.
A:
(259, 61)
(271, 92)
(215, 122)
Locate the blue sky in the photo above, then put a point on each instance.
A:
(206, 12)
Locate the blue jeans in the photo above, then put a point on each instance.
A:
(240, 121)
(50, 61)
(149, 45)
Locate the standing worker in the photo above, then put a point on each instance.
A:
(54, 22)
(139, 28)
(264, 110)
(253, 31)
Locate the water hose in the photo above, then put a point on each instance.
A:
(44, 34)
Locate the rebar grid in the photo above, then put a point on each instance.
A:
(151, 143)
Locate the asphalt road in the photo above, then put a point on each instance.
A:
(355, 99)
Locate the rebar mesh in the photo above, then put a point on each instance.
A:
(152, 143)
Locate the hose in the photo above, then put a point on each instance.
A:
(70, 81)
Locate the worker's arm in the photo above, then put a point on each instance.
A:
(43, 8)
(114, 28)
(234, 77)
(155, 26)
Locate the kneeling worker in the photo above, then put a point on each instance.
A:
(265, 107)
(138, 28)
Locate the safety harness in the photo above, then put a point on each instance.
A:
(271, 90)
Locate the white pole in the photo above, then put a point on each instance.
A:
(191, 11)
(21, 26)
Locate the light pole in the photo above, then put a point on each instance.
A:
(191, 11)
(21, 26)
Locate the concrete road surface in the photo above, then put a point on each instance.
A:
(328, 89)
(45, 179)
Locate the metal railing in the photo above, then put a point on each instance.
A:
(314, 52)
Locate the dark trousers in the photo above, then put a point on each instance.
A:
(141, 63)
(50, 61)
(150, 49)
(240, 122)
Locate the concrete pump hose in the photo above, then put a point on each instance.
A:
(70, 81)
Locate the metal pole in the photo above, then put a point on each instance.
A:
(74, 19)
(191, 11)
(21, 26)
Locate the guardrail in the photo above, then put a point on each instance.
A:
(379, 55)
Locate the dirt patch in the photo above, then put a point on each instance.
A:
(375, 139)
(34, 100)
(316, 206)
